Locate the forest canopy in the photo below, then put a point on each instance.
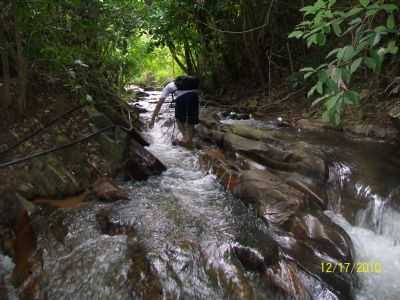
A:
(95, 48)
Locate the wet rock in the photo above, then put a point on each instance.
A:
(113, 226)
(286, 277)
(10, 207)
(24, 246)
(140, 94)
(50, 178)
(7, 238)
(268, 136)
(74, 201)
(373, 131)
(3, 288)
(229, 276)
(262, 244)
(143, 278)
(298, 157)
(276, 202)
(214, 161)
(106, 190)
(394, 115)
(139, 163)
(314, 125)
(314, 240)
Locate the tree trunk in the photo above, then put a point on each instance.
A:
(188, 59)
(22, 72)
(6, 69)
(172, 50)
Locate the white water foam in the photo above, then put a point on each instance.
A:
(373, 248)
(6, 268)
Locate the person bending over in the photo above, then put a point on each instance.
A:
(185, 91)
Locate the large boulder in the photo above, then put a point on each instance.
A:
(139, 163)
(276, 202)
(297, 157)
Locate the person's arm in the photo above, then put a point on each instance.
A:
(168, 89)
(156, 111)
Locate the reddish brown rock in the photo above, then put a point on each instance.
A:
(106, 190)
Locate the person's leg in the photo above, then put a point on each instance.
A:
(181, 128)
(189, 133)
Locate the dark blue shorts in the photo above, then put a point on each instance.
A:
(187, 108)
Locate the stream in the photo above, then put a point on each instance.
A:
(187, 227)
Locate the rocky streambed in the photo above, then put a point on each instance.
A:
(257, 211)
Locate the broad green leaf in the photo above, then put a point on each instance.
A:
(296, 34)
(319, 100)
(346, 74)
(346, 53)
(377, 39)
(356, 64)
(307, 69)
(372, 12)
(320, 87)
(312, 91)
(308, 75)
(371, 63)
(390, 8)
(332, 101)
(321, 39)
(364, 2)
(355, 21)
(380, 29)
(391, 22)
(334, 51)
(322, 76)
(351, 97)
(354, 11)
(392, 48)
(337, 29)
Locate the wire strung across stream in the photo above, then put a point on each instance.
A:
(36, 132)
(57, 148)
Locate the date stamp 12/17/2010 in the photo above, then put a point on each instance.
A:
(356, 267)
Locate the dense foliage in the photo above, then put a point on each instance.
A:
(94, 48)
(369, 35)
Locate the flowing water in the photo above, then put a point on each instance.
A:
(364, 198)
(186, 227)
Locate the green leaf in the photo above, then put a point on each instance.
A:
(355, 65)
(390, 8)
(351, 97)
(320, 87)
(372, 12)
(308, 75)
(337, 29)
(346, 53)
(321, 39)
(392, 48)
(354, 11)
(320, 99)
(355, 21)
(346, 74)
(371, 63)
(364, 2)
(307, 69)
(312, 91)
(332, 102)
(391, 22)
(296, 34)
(334, 51)
(377, 39)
